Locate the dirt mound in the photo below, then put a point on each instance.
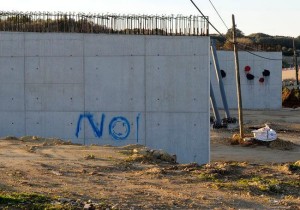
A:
(144, 154)
(41, 140)
(281, 144)
(251, 141)
(11, 138)
(290, 98)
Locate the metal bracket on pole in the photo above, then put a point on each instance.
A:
(228, 118)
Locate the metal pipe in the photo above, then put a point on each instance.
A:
(214, 106)
(219, 77)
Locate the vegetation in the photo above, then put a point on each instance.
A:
(32, 201)
(258, 41)
(25, 201)
(240, 177)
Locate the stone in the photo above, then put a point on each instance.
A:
(88, 206)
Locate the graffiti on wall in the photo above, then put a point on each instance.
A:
(119, 127)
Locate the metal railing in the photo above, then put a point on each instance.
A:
(103, 23)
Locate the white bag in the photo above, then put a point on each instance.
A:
(265, 134)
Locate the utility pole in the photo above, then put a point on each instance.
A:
(296, 63)
(238, 80)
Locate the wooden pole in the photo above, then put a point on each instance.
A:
(296, 64)
(238, 81)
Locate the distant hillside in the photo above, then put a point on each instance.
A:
(258, 41)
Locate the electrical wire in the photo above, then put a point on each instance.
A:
(225, 37)
(272, 59)
(218, 14)
(206, 18)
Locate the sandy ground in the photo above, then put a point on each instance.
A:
(285, 122)
(111, 178)
(289, 74)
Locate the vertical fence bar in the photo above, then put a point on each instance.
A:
(103, 23)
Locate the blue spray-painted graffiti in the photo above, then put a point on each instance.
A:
(98, 132)
(137, 127)
(119, 127)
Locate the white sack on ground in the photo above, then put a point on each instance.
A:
(265, 134)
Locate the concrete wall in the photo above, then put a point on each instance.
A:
(108, 89)
(255, 95)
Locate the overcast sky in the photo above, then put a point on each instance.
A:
(274, 17)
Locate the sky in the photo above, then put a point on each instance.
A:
(273, 17)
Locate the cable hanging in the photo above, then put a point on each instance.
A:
(225, 37)
(206, 18)
(218, 14)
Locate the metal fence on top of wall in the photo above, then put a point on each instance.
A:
(103, 23)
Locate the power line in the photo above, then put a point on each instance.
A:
(273, 59)
(218, 14)
(206, 18)
(225, 37)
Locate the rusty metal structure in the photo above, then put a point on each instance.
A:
(103, 23)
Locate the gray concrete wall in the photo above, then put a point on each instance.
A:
(108, 89)
(255, 95)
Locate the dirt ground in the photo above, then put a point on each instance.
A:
(75, 176)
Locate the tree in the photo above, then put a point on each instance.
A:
(259, 35)
(256, 37)
(245, 44)
(285, 64)
(239, 33)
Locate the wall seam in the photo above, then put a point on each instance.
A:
(84, 89)
(145, 91)
(24, 71)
